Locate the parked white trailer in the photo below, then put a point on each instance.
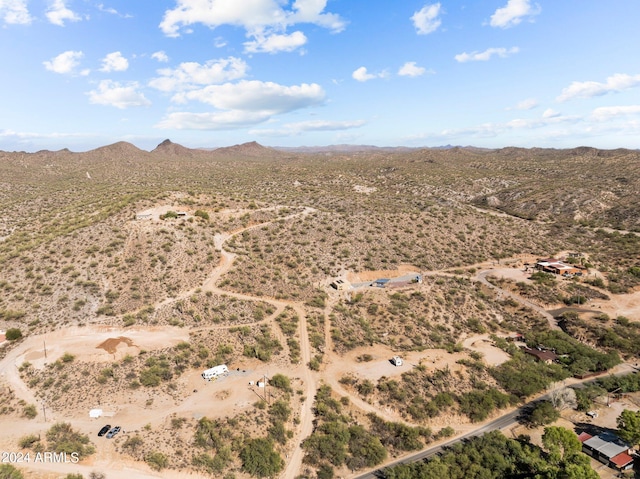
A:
(215, 372)
(397, 361)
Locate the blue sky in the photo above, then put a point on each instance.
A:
(209, 73)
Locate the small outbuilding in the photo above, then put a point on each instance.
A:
(397, 361)
(341, 284)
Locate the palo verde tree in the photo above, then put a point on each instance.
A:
(629, 426)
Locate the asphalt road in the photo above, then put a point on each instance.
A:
(505, 421)
(499, 423)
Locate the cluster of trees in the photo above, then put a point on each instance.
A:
(495, 456)
(629, 426)
(523, 376)
(337, 440)
(61, 437)
(220, 445)
(575, 356)
(157, 370)
(479, 403)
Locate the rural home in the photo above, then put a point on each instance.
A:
(547, 357)
(555, 266)
(607, 448)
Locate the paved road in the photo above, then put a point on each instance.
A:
(503, 422)
(499, 423)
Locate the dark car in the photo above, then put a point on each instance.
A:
(113, 432)
(104, 430)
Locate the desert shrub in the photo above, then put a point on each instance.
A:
(260, 459)
(156, 460)
(133, 443)
(7, 471)
(281, 381)
(30, 411)
(62, 438)
(67, 358)
(201, 214)
(27, 442)
(13, 334)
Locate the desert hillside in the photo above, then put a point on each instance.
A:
(127, 273)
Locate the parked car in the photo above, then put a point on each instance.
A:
(113, 432)
(104, 430)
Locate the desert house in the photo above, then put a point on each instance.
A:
(555, 266)
(544, 356)
(609, 449)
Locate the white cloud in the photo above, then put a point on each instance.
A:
(361, 74)
(15, 12)
(410, 69)
(489, 130)
(292, 129)
(513, 13)
(66, 62)
(243, 104)
(259, 96)
(550, 113)
(589, 89)
(486, 55)
(161, 56)
(225, 120)
(257, 17)
(190, 75)
(114, 62)
(528, 104)
(58, 13)
(113, 11)
(276, 43)
(116, 94)
(609, 112)
(426, 19)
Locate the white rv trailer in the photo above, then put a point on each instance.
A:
(215, 372)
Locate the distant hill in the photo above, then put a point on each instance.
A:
(167, 147)
(251, 149)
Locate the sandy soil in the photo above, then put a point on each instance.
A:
(96, 343)
(627, 305)
(492, 355)
(363, 276)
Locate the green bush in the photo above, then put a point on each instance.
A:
(280, 381)
(156, 460)
(13, 334)
(62, 438)
(260, 459)
(7, 471)
(30, 411)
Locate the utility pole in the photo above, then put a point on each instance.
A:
(44, 412)
(45, 348)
